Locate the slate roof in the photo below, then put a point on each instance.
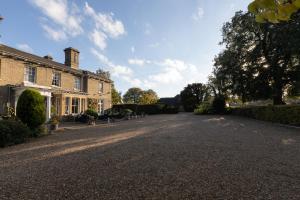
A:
(9, 51)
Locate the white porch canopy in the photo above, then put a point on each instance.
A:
(43, 90)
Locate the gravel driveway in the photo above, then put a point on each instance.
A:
(159, 157)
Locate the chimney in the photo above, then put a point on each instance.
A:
(48, 57)
(72, 57)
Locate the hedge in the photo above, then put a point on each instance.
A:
(279, 114)
(31, 108)
(149, 109)
(13, 132)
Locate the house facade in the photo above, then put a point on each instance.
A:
(68, 90)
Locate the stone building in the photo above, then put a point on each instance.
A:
(67, 89)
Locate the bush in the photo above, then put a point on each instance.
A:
(219, 105)
(84, 118)
(31, 109)
(149, 109)
(204, 109)
(278, 114)
(13, 132)
(91, 112)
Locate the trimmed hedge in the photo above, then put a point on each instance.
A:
(279, 114)
(149, 109)
(13, 132)
(31, 109)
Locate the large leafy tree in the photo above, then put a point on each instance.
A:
(193, 95)
(115, 96)
(258, 57)
(274, 10)
(148, 97)
(133, 95)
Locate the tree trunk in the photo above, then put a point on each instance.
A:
(278, 91)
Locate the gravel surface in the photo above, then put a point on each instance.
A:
(158, 157)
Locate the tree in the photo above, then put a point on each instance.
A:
(115, 96)
(274, 10)
(259, 57)
(149, 97)
(193, 95)
(133, 96)
(31, 109)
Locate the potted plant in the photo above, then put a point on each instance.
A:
(54, 123)
(91, 120)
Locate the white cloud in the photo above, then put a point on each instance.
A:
(105, 22)
(64, 19)
(56, 35)
(199, 14)
(132, 49)
(98, 38)
(154, 45)
(139, 62)
(148, 29)
(116, 70)
(25, 47)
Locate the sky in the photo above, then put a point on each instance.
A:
(159, 44)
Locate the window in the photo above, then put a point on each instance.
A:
(101, 107)
(77, 84)
(30, 74)
(101, 87)
(56, 79)
(82, 105)
(67, 106)
(75, 105)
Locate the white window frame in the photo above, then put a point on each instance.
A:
(82, 105)
(29, 72)
(101, 87)
(67, 106)
(56, 77)
(101, 107)
(77, 83)
(75, 105)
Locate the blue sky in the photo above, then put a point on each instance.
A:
(157, 44)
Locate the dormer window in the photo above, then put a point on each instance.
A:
(30, 74)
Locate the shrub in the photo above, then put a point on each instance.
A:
(279, 114)
(13, 132)
(68, 118)
(204, 109)
(219, 105)
(91, 112)
(31, 109)
(84, 118)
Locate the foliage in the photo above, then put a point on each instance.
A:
(31, 109)
(133, 96)
(149, 109)
(13, 132)
(148, 97)
(115, 96)
(92, 103)
(278, 114)
(193, 95)
(219, 104)
(274, 10)
(84, 118)
(54, 120)
(204, 108)
(259, 60)
(91, 112)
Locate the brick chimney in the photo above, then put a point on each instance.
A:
(72, 57)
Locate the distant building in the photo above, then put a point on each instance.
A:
(66, 88)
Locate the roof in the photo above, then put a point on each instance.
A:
(9, 51)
